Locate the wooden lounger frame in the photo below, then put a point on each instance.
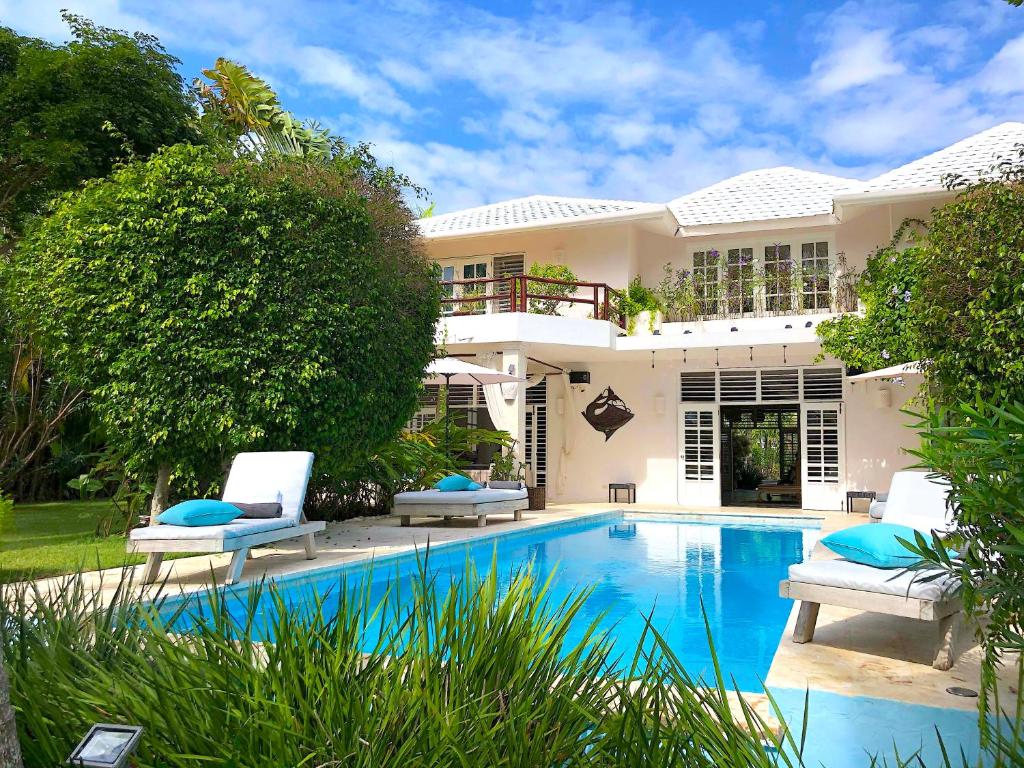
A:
(479, 510)
(239, 545)
(946, 612)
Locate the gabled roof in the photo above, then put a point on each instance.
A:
(770, 193)
(533, 212)
(970, 158)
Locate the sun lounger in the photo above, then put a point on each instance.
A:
(452, 504)
(279, 477)
(916, 501)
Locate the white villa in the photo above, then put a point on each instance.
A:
(768, 251)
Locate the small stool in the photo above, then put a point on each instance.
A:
(851, 495)
(629, 488)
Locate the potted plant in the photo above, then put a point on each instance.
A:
(677, 293)
(641, 308)
(506, 472)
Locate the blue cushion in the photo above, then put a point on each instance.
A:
(198, 512)
(453, 483)
(874, 544)
(474, 487)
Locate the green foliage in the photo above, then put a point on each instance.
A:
(971, 314)
(635, 299)
(505, 467)
(241, 110)
(551, 272)
(890, 290)
(211, 305)
(484, 675)
(678, 296)
(412, 461)
(56, 99)
(980, 448)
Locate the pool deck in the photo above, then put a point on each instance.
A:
(854, 654)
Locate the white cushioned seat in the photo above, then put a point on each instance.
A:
(483, 496)
(846, 574)
(234, 529)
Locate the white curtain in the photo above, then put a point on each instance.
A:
(568, 430)
(501, 398)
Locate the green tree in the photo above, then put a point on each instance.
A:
(243, 111)
(56, 99)
(210, 304)
(886, 333)
(969, 313)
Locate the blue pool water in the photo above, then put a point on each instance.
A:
(635, 566)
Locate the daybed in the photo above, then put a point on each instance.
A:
(452, 504)
(278, 476)
(916, 501)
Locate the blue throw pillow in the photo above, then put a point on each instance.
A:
(474, 487)
(454, 483)
(874, 544)
(200, 512)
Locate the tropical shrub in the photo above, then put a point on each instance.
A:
(550, 272)
(980, 449)
(505, 467)
(412, 461)
(478, 675)
(212, 305)
(887, 333)
(635, 299)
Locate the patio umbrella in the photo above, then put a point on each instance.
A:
(451, 370)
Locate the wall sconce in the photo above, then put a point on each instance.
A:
(560, 406)
(883, 397)
(659, 404)
(107, 746)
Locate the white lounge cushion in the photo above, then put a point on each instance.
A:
(917, 501)
(483, 496)
(271, 476)
(845, 574)
(234, 529)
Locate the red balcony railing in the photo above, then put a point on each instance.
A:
(522, 293)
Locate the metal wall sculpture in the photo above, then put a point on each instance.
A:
(607, 413)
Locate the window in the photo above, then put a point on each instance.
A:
(705, 280)
(739, 284)
(778, 273)
(471, 272)
(816, 273)
(447, 291)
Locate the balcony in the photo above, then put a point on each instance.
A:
(535, 295)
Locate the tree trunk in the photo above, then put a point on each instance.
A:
(10, 751)
(161, 492)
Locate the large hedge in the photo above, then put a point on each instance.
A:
(211, 305)
(970, 311)
(953, 298)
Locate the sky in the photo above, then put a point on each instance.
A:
(485, 102)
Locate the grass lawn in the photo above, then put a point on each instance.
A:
(54, 538)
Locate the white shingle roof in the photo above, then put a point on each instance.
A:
(771, 193)
(530, 212)
(971, 157)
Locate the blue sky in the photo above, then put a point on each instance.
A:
(632, 101)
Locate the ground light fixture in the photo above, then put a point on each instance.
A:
(106, 746)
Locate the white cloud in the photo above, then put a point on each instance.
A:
(866, 58)
(323, 66)
(1005, 72)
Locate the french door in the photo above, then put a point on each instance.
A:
(699, 456)
(465, 270)
(823, 472)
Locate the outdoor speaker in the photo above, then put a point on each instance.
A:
(579, 377)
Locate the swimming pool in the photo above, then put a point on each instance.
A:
(635, 564)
